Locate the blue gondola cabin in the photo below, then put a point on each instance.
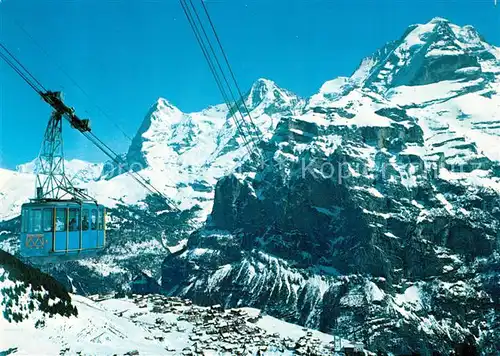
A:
(62, 229)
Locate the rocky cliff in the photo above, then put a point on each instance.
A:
(376, 213)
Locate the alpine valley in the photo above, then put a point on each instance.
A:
(373, 215)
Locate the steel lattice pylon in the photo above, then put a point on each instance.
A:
(51, 180)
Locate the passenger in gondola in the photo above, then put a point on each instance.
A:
(72, 224)
(85, 223)
(47, 227)
(60, 225)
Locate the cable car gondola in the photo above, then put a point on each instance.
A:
(62, 221)
(58, 229)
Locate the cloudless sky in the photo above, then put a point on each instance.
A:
(127, 53)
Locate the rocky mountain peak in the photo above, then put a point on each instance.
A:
(162, 113)
(427, 53)
(384, 189)
(263, 83)
(163, 104)
(165, 111)
(438, 20)
(266, 97)
(157, 125)
(261, 90)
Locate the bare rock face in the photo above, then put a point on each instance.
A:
(374, 214)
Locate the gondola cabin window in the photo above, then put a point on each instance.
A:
(93, 223)
(74, 219)
(61, 220)
(25, 220)
(101, 219)
(48, 220)
(85, 219)
(36, 220)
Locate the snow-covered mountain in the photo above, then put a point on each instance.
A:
(376, 216)
(192, 151)
(77, 170)
(379, 212)
(182, 154)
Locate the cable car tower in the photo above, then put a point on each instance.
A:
(51, 180)
(61, 221)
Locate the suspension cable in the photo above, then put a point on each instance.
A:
(75, 83)
(23, 68)
(245, 132)
(21, 74)
(257, 131)
(217, 60)
(214, 72)
(11, 60)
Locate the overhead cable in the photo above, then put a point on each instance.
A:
(203, 39)
(75, 83)
(211, 66)
(257, 131)
(31, 80)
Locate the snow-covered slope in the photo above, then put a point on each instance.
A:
(38, 317)
(15, 189)
(157, 325)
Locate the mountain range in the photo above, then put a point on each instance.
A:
(182, 154)
(375, 215)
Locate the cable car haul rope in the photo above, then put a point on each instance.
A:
(55, 101)
(224, 77)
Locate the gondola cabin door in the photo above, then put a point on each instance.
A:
(37, 235)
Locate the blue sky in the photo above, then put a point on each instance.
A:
(126, 54)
